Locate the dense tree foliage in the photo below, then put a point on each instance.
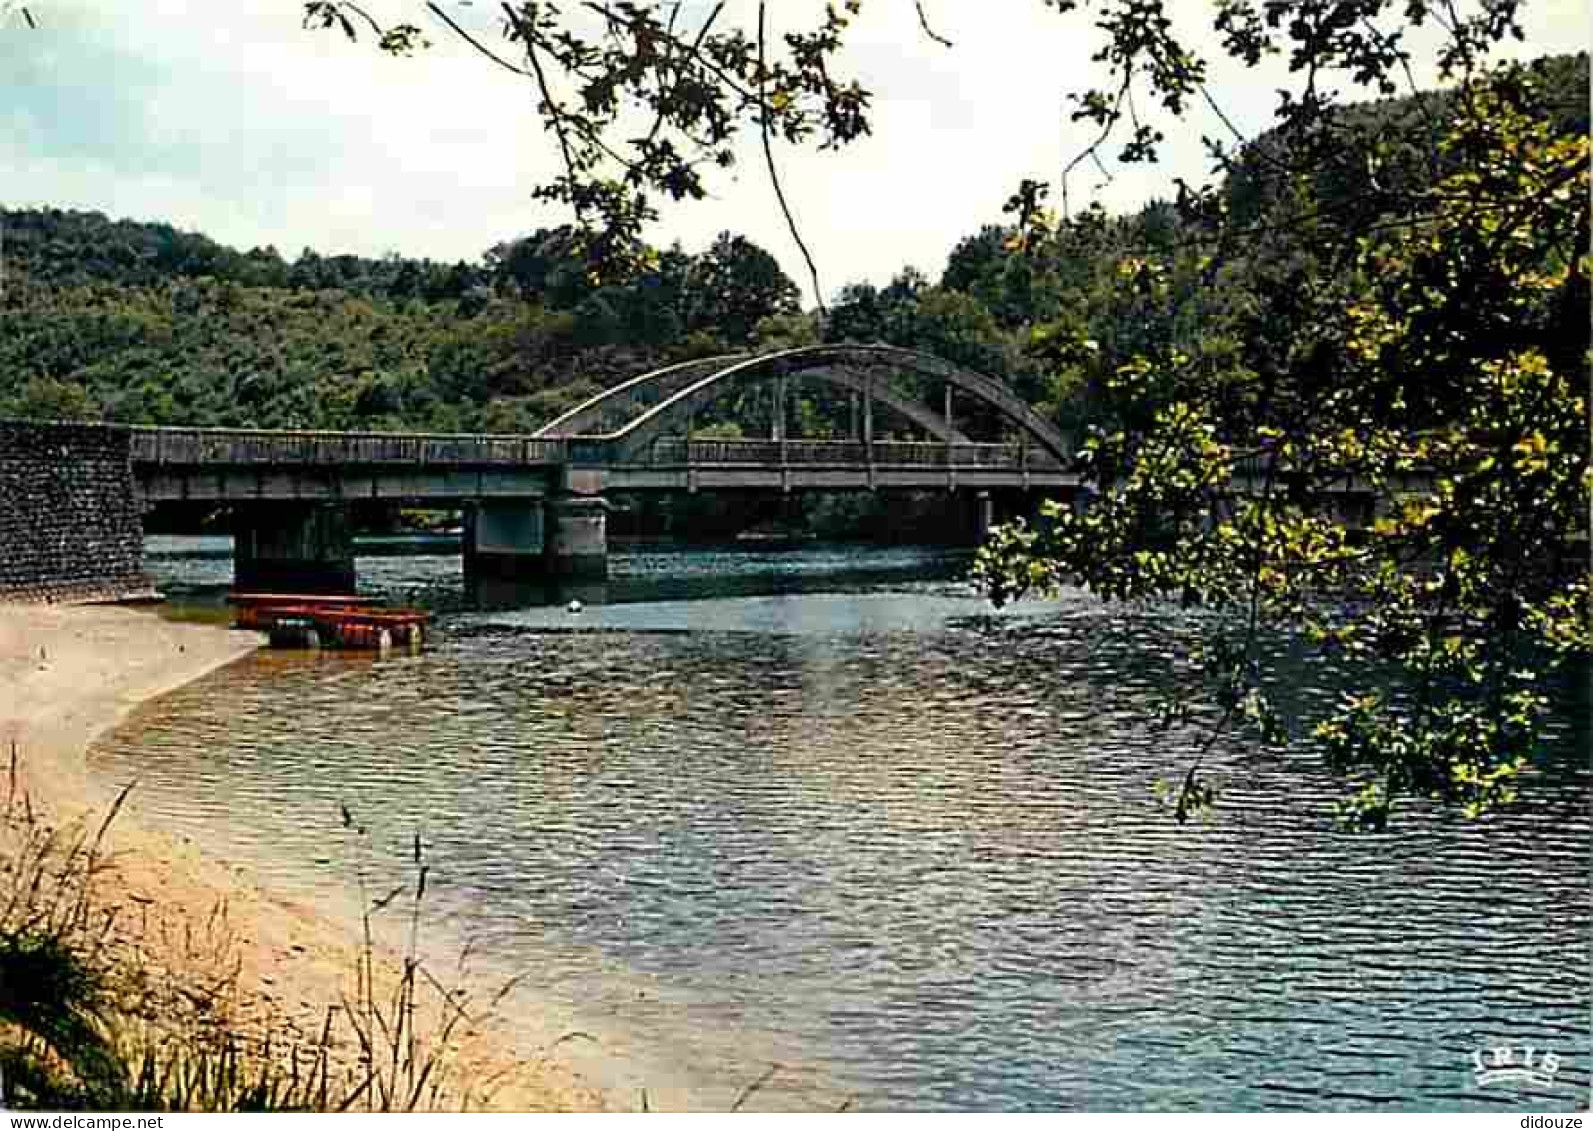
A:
(1390, 303)
(733, 285)
(141, 323)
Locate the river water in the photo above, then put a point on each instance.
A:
(850, 821)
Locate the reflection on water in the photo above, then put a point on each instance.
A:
(197, 570)
(910, 845)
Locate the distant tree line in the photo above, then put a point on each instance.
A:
(143, 323)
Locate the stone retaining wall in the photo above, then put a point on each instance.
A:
(69, 514)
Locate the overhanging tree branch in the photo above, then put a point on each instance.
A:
(923, 22)
(774, 175)
(476, 43)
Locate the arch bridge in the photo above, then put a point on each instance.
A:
(536, 504)
(645, 432)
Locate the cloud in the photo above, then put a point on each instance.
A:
(233, 120)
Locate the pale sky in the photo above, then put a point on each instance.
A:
(225, 117)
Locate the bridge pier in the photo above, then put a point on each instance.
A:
(984, 516)
(284, 547)
(578, 538)
(564, 538)
(969, 516)
(504, 540)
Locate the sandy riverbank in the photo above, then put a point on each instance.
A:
(67, 674)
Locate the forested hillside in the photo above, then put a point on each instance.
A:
(139, 322)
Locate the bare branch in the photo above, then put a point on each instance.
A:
(923, 22)
(560, 127)
(364, 15)
(1091, 152)
(774, 175)
(437, 11)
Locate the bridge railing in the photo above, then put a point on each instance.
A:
(674, 450)
(242, 446)
(193, 447)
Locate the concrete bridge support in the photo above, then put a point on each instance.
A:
(999, 507)
(577, 522)
(984, 516)
(505, 540)
(577, 544)
(531, 540)
(969, 517)
(283, 547)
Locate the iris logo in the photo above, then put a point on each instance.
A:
(1504, 1064)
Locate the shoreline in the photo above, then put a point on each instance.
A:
(69, 675)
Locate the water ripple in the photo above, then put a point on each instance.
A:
(925, 864)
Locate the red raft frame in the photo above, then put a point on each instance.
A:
(358, 623)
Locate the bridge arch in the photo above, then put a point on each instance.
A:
(598, 415)
(858, 382)
(594, 415)
(839, 364)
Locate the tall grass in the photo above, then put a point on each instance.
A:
(53, 990)
(92, 1021)
(405, 1064)
(157, 1019)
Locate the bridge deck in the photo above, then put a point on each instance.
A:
(222, 464)
(241, 447)
(242, 464)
